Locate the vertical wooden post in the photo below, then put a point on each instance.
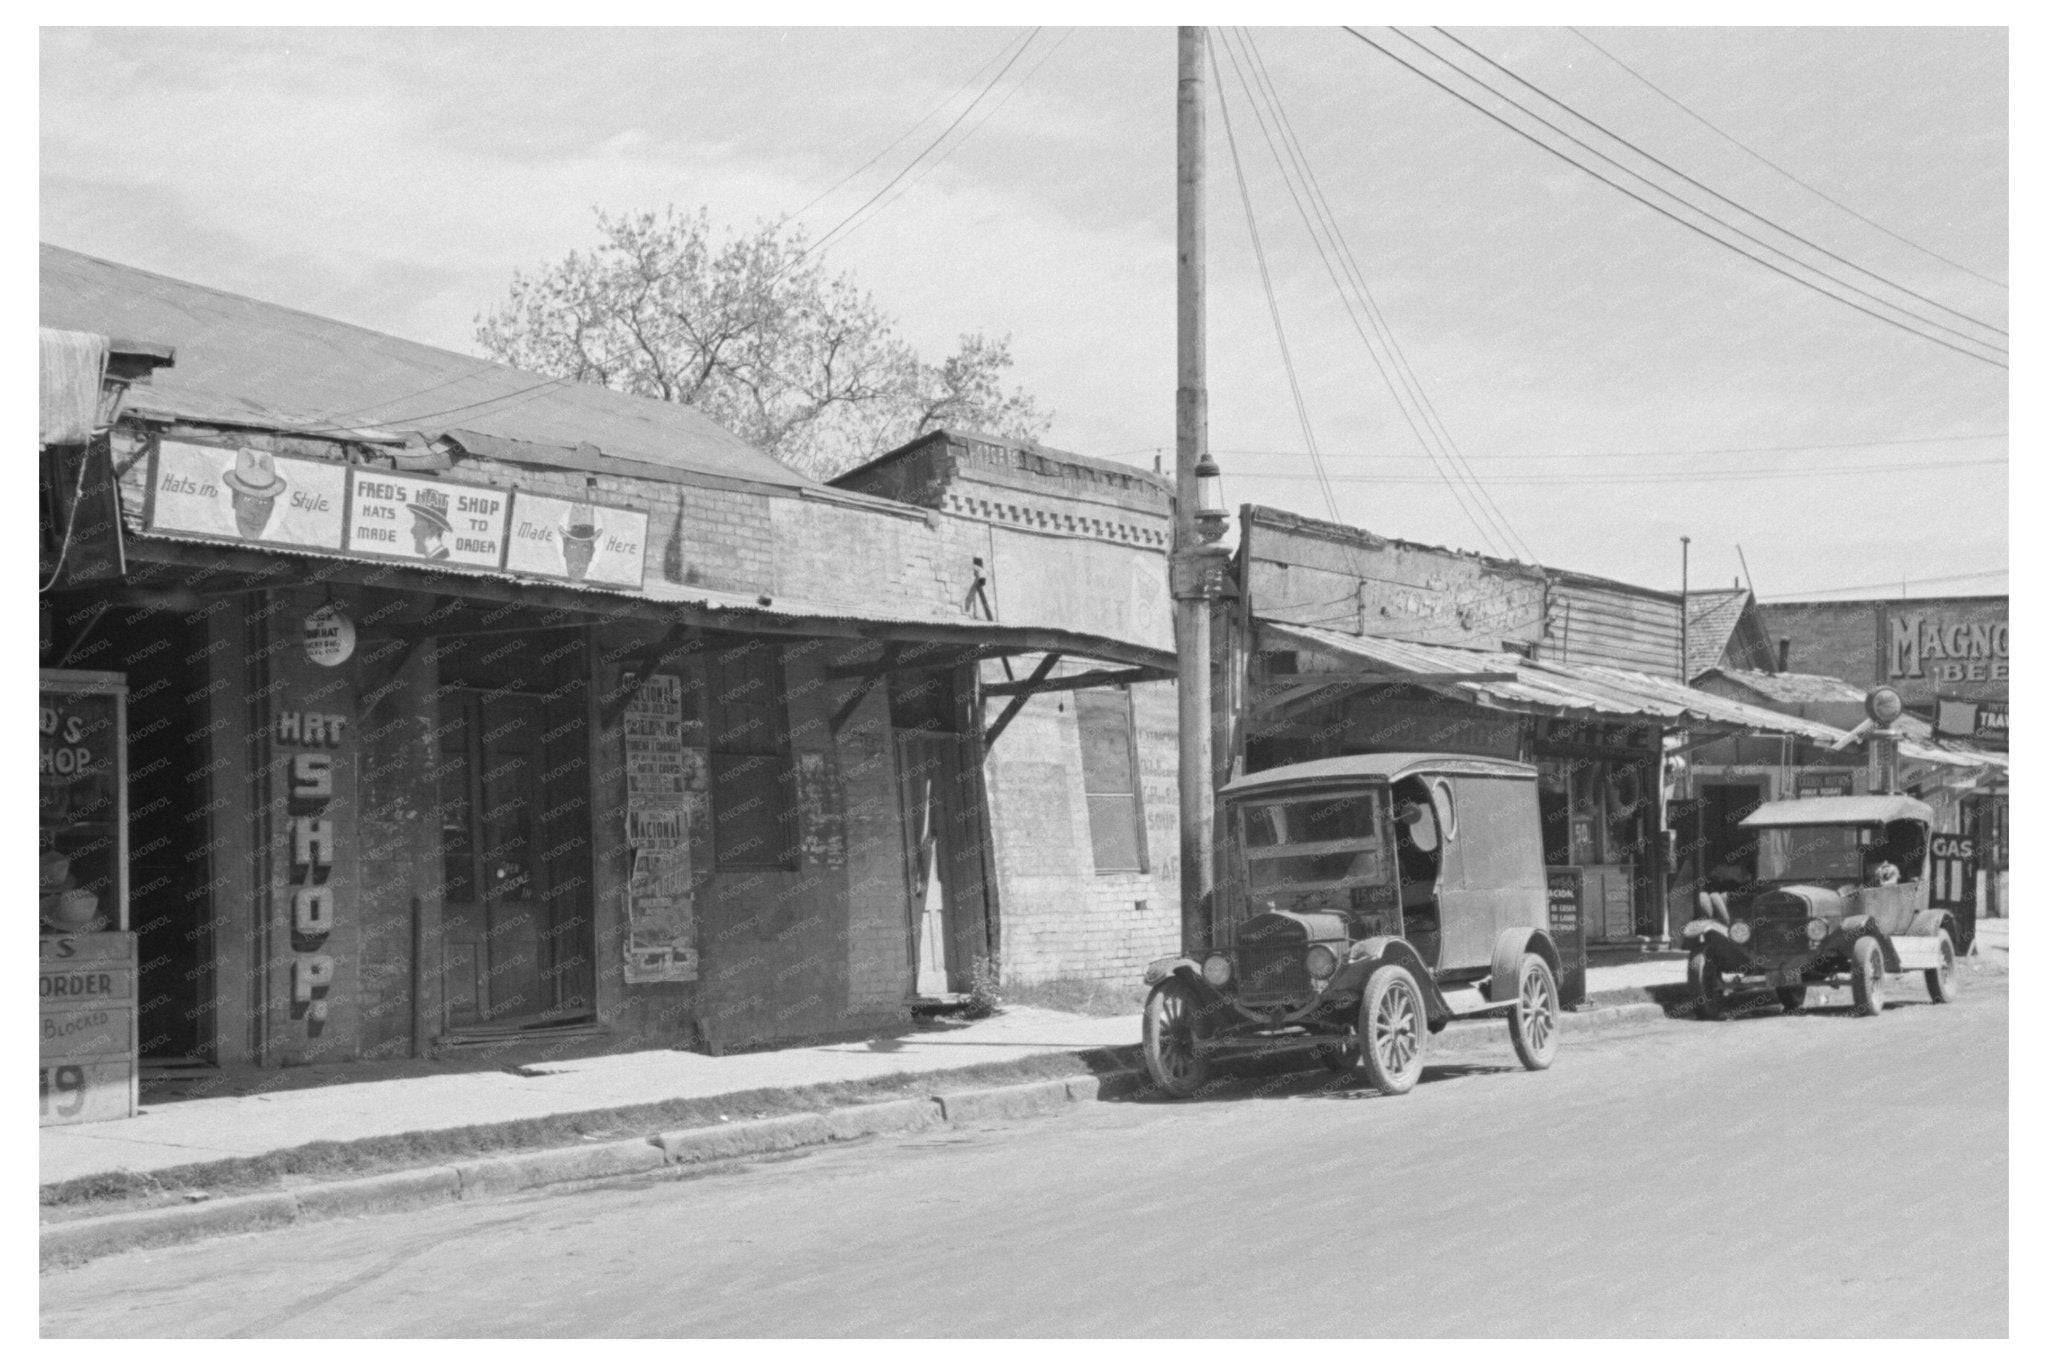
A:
(1191, 438)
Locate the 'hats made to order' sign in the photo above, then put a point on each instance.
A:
(260, 498)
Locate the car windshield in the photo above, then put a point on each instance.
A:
(1313, 842)
(1809, 853)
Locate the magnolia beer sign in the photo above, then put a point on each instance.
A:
(1946, 650)
(262, 499)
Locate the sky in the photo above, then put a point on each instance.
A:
(1612, 379)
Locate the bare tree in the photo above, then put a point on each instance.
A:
(752, 333)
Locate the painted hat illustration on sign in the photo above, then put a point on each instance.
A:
(429, 523)
(579, 539)
(253, 486)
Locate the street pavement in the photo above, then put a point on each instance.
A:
(1815, 1174)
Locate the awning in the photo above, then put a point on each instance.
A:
(1508, 682)
(1837, 810)
(162, 562)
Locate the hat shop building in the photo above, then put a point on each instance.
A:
(464, 705)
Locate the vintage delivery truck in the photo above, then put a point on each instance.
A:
(1366, 902)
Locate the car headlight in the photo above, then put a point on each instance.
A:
(1816, 930)
(1216, 969)
(1321, 962)
(1739, 931)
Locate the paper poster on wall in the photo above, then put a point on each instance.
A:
(821, 814)
(660, 920)
(582, 542)
(247, 496)
(426, 521)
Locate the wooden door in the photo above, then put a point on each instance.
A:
(495, 883)
(948, 878)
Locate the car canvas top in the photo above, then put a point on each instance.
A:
(1838, 810)
(1384, 767)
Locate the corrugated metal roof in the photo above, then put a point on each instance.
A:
(242, 362)
(1390, 767)
(1837, 810)
(1583, 691)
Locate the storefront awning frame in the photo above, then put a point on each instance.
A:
(1507, 682)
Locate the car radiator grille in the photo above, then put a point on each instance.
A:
(1272, 973)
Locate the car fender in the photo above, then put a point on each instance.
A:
(1930, 922)
(1508, 949)
(1369, 955)
(1159, 969)
(1864, 926)
(1700, 928)
(1713, 939)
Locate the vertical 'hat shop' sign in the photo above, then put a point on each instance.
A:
(330, 636)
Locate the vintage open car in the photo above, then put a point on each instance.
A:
(1364, 903)
(1840, 897)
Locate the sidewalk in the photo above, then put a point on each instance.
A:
(179, 1132)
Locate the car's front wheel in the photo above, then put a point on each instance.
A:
(1866, 976)
(1173, 1032)
(1703, 979)
(1942, 982)
(1392, 1028)
(1533, 1023)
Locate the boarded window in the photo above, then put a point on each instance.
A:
(1109, 773)
(753, 805)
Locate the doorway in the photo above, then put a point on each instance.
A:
(950, 927)
(517, 945)
(1727, 849)
(170, 869)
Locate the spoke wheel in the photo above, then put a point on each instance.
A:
(1942, 981)
(1173, 1031)
(1392, 1028)
(1704, 980)
(1533, 1025)
(1866, 976)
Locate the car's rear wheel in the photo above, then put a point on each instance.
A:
(1942, 982)
(1392, 1028)
(1866, 976)
(1793, 998)
(1703, 979)
(1533, 1023)
(1173, 1032)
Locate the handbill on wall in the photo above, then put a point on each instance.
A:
(660, 919)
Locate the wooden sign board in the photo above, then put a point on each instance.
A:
(87, 1035)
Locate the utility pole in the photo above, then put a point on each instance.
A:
(1685, 610)
(1191, 596)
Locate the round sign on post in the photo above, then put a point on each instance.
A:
(1883, 705)
(330, 636)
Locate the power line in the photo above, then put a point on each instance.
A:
(929, 147)
(1448, 459)
(1742, 208)
(1666, 476)
(961, 141)
(1694, 115)
(903, 136)
(1893, 583)
(1689, 453)
(1658, 208)
(1703, 212)
(1402, 380)
(1272, 302)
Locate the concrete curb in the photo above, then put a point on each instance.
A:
(76, 1240)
